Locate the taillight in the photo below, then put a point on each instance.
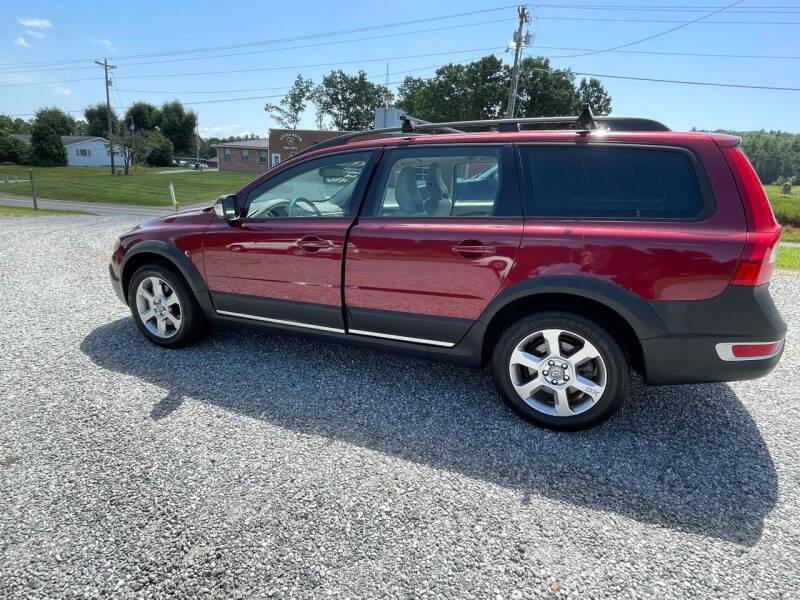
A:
(760, 253)
(758, 259)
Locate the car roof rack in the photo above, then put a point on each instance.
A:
(586, 121)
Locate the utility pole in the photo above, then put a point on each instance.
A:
(517, 41)
(106, 67)
(133, 144)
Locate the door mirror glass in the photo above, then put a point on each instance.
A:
(332, 172)
(226, 208)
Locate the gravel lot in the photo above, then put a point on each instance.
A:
(257, 465)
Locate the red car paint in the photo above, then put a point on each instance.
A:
(409, 265)
(455, 268)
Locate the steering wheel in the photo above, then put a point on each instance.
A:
(294, 202)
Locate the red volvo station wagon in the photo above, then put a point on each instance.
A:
(561, 258)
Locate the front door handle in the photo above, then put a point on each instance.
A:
(312, 243)
(473, 249)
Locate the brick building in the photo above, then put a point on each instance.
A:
(256, 156)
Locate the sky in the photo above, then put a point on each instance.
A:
(47, 51)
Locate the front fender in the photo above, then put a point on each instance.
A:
(173, 255)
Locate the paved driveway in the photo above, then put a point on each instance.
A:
(256, 465)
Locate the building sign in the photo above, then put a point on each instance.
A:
(290, 142)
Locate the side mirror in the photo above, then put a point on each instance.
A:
(226, 208)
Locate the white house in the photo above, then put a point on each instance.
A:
(85, 150)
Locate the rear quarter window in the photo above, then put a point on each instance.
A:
(611, 183)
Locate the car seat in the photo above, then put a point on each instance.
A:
(438, 204)
(407, 195)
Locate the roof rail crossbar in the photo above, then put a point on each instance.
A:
(586, 120)
(408, 126)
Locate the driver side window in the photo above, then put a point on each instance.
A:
(318, 188)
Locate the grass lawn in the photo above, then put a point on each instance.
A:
(790, 234)
(20, 211)
(146, 186)
(787, 211)
(789, 258)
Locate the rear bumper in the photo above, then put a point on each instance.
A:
(116, 284)
(688, 352)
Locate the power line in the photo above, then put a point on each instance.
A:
(402, 33)
(608, 20)
(661, 33)
(662, 8)
(706, 83)
(254, 69)
(275, 41)
(606, 75)
(667, 53)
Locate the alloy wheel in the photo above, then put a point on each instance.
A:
(557, 372)
(158, 307)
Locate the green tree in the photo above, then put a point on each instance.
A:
(544, 91)
(773, 154)
(348, 100)
(57, 120)
(293, 104)
(46, 147)
(178, 125)
(478, 90)
(593, 92)
(159, 150)
(13, 150)
(97, 121)
(145, 116)
(14, 125)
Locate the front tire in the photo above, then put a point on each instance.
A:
(560, 370)
(164, 308)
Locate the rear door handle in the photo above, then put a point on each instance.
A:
(313, 243)
(473, 250)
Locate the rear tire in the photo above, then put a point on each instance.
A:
(164, 308)
(560, 370)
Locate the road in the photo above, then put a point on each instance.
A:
(124, 210)
(256, 465)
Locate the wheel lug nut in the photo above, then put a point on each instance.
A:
(553, 381)
(563, 365)
(551, 362)
(545, 373)
(566, 377)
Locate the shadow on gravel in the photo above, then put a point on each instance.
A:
(686, 457)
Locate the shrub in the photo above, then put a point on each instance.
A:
(46, 146)
(779, 181)
(13, 150)
(786, 188)
(160, 154)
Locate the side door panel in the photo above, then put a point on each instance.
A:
(427, 279)
(286, 270)
(259, 269)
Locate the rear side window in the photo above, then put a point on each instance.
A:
(442, 182)
(610, 183)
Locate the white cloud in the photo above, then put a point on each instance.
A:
(36, 34)
(35, 23)
(223, 131)
(21, 42)
(63, 91)
(107, 43)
